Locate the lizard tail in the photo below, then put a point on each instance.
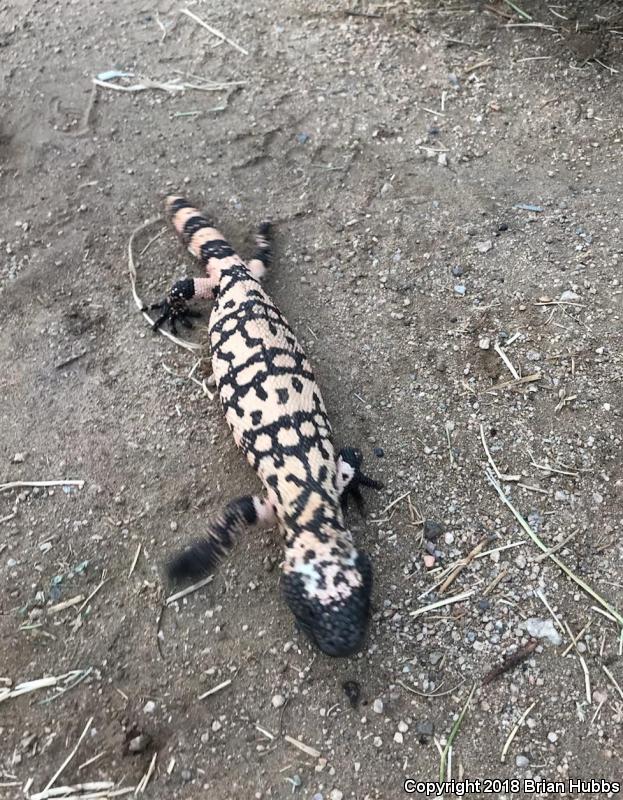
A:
(197, 232)
(203, 555)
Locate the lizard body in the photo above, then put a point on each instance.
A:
(275, 411)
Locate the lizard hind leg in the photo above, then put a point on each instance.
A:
(203, 555)
(263, 256)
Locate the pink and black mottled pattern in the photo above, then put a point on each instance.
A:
(274, 408)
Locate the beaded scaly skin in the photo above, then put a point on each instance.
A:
(275, 411)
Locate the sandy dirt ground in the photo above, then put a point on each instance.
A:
(446, 185)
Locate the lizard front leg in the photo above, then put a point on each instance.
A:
(174, 307)
(350, 478)
(204, 554)
(263, 256)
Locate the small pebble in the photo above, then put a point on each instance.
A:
(186, 775)
(432, 530)
(379, 452)
(216, 726)
(522, 762)
(278, 700)
(19, 458)
(149, 707)
(336, 794)
(435, 657)
(457, 271)
(429, 561)
(503, 226)
(139, 743)
(403, 727)
(484, 343)
(424, 731)
(484, 247)
(377, 706)
(460, 289)
(398, 737)
(542, 629)
(552, 737)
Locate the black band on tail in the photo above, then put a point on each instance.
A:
(204, 555)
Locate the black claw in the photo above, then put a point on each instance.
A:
(354, 492)
(369, 483)
(162, 318)
(354, 457)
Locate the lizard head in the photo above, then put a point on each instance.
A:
(327, 583)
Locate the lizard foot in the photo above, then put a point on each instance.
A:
(351, 478)
(174, 307)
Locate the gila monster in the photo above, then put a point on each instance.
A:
(273, 406)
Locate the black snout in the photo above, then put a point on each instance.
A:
(338, 628)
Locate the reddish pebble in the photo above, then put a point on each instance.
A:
(429, 561)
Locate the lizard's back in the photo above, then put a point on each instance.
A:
(270, 397)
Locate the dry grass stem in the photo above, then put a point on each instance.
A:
(487, 62)
(265, 733)
(557, 547)
(461, 566)
(60, 770)
(575, 578)
(215, 689)
(5, 487)
(574, 639)
(90, 761)
(140, 789)
(40, 683)
(73, 601)
(440, 603)
(536, 376)
(213, 31)
(188, 590)
(499, 577)
(612, 680)
(135, 559)
(545, 602)
(506, 361)
(304, 748)
(501, 476)
(453, 734)
(430, 694)
(513, 733)
(85, 791)
(394, 503)
(93, 593)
